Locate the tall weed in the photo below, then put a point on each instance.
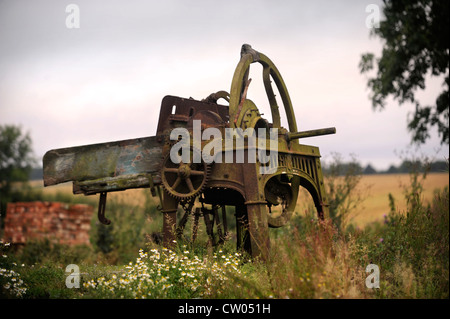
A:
(343, 194)
(315, 261)
(412, 247)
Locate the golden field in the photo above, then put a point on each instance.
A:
(373, 188)
(374, 191)
(378, 187)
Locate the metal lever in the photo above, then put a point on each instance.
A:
(324, 131)
(101, 209)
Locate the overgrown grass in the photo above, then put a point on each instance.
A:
(411, 249)
(309, 258)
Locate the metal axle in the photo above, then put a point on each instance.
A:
(303, 134)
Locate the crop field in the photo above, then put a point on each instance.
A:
(378, 187)
(374, 191)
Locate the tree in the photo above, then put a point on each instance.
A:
(392, 170)
(415, 34)
(16, 160)
(369, 170)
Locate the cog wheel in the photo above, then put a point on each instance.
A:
(184, 181)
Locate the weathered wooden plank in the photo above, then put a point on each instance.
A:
(112, 184)
(105, 163)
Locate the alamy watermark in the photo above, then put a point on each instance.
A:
(373, 19)
(260, 145)
(73, 279)
(373, 280)
(73, 17)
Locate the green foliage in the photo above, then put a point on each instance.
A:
(36, 270)
(105, 238)
(15, 155)
(16, 161)
(46, 281)
(415, 36)
(44, 251)
(129, 229)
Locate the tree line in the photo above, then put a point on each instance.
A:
(406, 167)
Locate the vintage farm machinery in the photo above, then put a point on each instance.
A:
(205, 157)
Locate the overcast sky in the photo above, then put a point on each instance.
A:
(105, 80)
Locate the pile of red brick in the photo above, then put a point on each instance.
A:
(59, 222)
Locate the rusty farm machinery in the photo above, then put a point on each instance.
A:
(206, 157)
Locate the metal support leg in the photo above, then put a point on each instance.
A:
(169, 210)
(258, 229)
(256, 212)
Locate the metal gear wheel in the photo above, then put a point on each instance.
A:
(184, 181)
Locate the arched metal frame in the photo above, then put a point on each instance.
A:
(238, 87)
(240, 77)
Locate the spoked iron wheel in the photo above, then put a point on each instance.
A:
(184, 181)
